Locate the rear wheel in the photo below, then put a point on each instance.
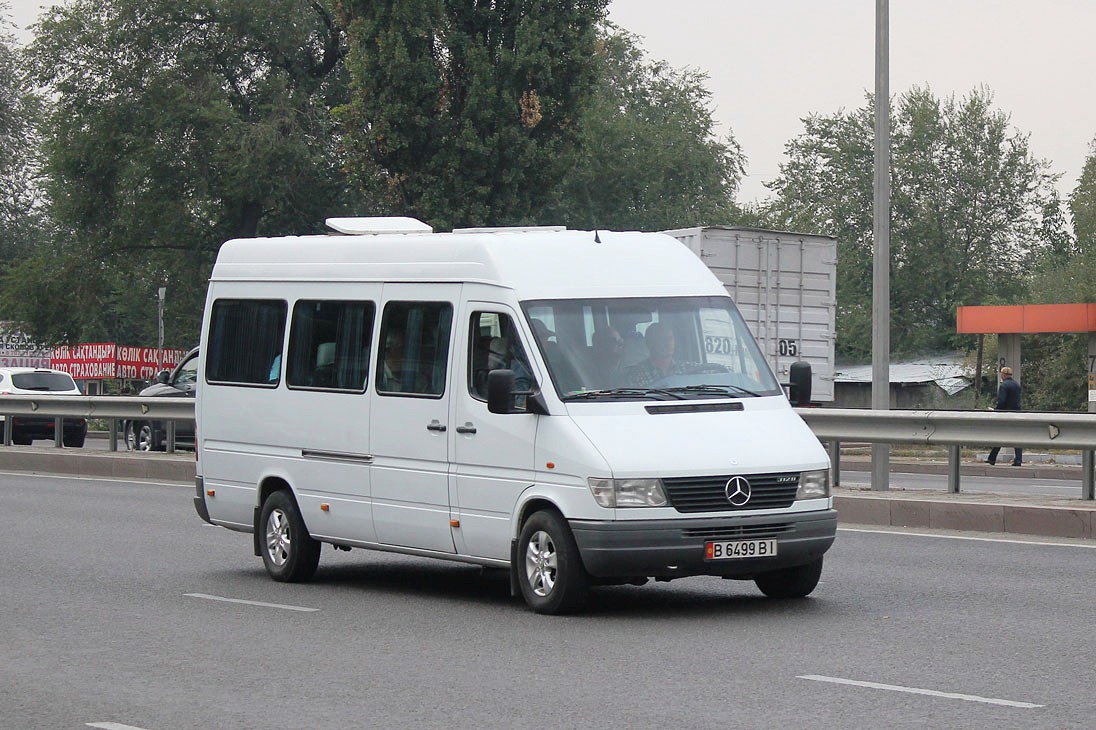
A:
(289, 553)
(795, 582)
(550, 571)
(75, 441)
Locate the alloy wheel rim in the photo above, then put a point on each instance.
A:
(541, 563)
(277, 537)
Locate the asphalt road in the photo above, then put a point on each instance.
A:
(121, 609)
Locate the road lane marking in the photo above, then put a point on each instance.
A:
(284, 607)
(92, 478)
(113, 726)
(972, 538)
(917, 691)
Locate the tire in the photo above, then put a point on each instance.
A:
(796, 582)
(289, 553)
(139, 436)
(74, 442)
(549, 567)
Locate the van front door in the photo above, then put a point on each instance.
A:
(409, 418)
(492, 452)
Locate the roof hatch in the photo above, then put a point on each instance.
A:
(377, 225)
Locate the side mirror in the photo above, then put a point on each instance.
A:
(500, 391)
(163, 376)
(799, 390)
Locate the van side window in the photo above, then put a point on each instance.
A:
(414, 348)
(494, 344)
(245, 341)
(329, 345)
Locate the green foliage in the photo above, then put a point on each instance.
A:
(973, 213)
(176, 124)
(1055, 365)
(463, 112)
(20, 194)
(649, 158)
(1082, 204)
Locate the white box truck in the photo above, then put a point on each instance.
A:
(785, 285)
(470, 396)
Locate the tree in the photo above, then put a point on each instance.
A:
(649, 158)
(1082, 204)
(176, 124)
(973, 213)
(1054, 365)
(20, 194)
(464, 111)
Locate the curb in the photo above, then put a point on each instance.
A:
(120, 465)
(968, 513)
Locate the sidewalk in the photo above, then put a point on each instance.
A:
(855, 504)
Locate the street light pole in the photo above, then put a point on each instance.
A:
(160, 329)
(880, 323)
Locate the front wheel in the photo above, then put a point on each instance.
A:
(795, 582)
(550, 571)
(289, 552)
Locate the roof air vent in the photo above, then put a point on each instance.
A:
(377, 226)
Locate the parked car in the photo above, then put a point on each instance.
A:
(41, 381)
(177, 383)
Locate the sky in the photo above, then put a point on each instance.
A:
(772, 62)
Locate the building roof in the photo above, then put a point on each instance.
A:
(947, 371)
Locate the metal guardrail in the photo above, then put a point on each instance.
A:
(955, 429)
(832, 425)
(112, 408)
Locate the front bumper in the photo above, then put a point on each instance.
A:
(675, 548)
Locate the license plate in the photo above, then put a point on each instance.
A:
(739, 549)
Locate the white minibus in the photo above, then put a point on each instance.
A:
(579, 408)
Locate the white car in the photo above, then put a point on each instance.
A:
(39, 381)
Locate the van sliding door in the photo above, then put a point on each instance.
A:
(409, 417)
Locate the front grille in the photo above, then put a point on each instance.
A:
(744, 532)
(709, 494)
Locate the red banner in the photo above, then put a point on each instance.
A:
(140, 362)
(98, 360)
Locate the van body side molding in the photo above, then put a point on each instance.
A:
(336, 456)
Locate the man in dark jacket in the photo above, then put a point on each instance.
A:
(1008, 399)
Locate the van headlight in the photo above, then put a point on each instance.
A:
(814, 484)
(628, 492)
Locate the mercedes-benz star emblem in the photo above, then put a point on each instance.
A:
(738, 491)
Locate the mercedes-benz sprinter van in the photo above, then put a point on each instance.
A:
(579, 408)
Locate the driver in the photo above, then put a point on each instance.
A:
(660, 362)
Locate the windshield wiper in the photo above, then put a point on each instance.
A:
(625, 393)
(718, 389)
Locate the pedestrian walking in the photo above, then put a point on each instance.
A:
(1008, 399)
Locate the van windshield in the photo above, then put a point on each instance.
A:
(658, 348)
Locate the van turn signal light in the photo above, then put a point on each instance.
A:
(211, 492)
(325, 507)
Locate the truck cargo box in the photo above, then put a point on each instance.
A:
(785, 286)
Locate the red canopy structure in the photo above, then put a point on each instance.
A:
(1010, 321)
(1026, 319)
